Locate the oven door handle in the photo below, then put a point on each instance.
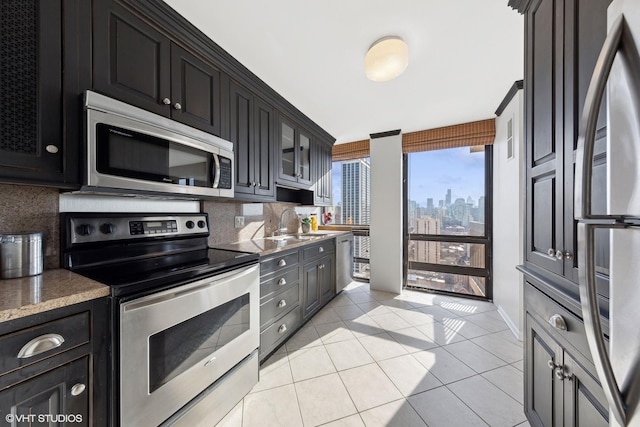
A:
(186, 290)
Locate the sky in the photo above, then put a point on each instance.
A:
(431, 173)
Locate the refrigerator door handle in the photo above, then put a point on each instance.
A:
(586, 230)
(589, 121)
(592, 324)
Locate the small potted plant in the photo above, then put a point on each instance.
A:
(306, 224)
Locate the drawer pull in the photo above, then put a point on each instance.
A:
(558, 322)
(282, 263)
(77, 389)
(320, 249)
(282, 303)
(40, 345)
(282, 282)
(282, 328)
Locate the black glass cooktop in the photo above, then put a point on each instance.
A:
(154, 273)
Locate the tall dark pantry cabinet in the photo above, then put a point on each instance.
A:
(562, 41)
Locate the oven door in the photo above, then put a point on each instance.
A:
(175, 343)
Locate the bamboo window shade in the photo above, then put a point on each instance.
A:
(350, 151)
(472, 134)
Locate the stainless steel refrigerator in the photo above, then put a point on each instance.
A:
(617, 74)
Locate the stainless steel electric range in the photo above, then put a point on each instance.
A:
(185, 318)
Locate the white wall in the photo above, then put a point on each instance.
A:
(386, 214)
(508, 216)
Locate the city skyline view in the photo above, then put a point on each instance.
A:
(432, 173)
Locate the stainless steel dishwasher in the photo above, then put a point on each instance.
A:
(344, 261)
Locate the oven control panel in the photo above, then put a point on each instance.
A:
(94, 228)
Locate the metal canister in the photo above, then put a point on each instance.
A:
(20, 255)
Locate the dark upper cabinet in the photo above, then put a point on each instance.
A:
(294, 154)
(322, 173)
(562, 41)
(139, 65)
(43, 45)
(252, 132)
(195, 91)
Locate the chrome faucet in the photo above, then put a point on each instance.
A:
(282, 230)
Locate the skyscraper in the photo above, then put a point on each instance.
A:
(447, 200)
(356, 201)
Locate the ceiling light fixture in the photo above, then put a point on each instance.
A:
(386, 59)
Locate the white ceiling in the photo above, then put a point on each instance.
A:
(464, 55)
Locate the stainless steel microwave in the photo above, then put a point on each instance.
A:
(134, 152)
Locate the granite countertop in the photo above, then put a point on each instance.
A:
(265, 247)
(51, 289)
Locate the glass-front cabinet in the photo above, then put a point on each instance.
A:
(294, 154)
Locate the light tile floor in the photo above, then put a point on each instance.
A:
(371, 358)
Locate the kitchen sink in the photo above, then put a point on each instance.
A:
(280, 238)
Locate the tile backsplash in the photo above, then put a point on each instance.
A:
(28, 209)
(260, 219)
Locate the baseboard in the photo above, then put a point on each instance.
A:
(512, 326)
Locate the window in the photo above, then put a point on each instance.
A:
(448, 209)
(352, 206)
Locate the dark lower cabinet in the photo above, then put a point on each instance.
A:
(43, 44)
(318, 284)
(54, 367)
(57, 397)
(561, 388)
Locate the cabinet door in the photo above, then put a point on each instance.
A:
(303, 160)
(543, 128)
(585, 36)
(264, 121)
(61, 391)
(32, 144)
(327, 280)
(327, 196)
(195, 91)
(241, 132)
(288, 169)
(585, 404)
(131, 59)
(311, 284)
(542, 393)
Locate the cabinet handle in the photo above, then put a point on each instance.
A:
(282, 303)
(561, 374)
(40, 345)
(177, 106)
(282, 282)
(282, 328)
(77, 389)
(568, 255)
(51, 149)
(551, 252)
(257, 184)
(282, 263)
(320, 249)
(559, 255)
(166, 101)
(558, 322)
(551, 365)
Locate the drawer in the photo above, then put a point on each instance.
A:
(279, 282)
(279, 304)
(280, 262)
(280, 330)
(543, 308)
(39, 342)
(319, 249)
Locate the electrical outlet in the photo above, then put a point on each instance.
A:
(239, 221)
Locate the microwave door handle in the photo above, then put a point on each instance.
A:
(586, 231)
(216, 171)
